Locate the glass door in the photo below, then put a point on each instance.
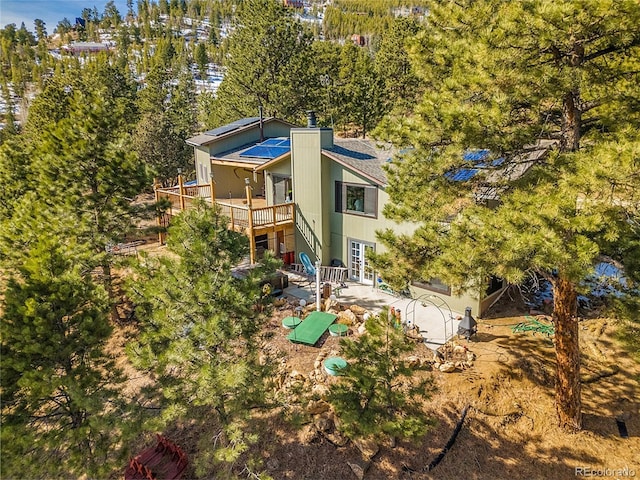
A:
(359, 268)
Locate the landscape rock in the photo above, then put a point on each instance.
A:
(413, 361)
(362, 329)
(337, 439)
(272, 464)
(459, 350)
(307, 434)
(324, 423)
(367, 447)
(471, 356)
(447, 367)
(359, 469)
(358, 310)
(320, 390)
(347, 317)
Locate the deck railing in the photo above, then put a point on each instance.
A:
(237, 214)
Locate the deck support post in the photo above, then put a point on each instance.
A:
(212, 185)
(181, 191)
(252, 238)
(156, 185)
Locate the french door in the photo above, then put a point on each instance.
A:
(359, 268)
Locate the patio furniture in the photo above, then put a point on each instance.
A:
(164, 461)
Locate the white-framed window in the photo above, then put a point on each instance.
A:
(356, 199)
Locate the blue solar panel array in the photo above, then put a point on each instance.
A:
(477, 157)
(461, 175)
(269, 149)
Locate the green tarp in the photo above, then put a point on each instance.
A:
(312, 328)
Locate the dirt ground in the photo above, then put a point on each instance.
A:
(509, 432)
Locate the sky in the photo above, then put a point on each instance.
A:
(51, 11)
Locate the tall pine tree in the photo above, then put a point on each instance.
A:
(267, 65)
(506, 76)
(376, 396)
(62, 412)
(199, 328)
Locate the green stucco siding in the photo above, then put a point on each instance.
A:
(307, 171)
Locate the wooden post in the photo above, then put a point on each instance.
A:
(158, 219)
(274, 218)
(252, 238)
(212, 185)
(181, 190)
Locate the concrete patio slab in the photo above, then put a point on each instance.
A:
(435, 321)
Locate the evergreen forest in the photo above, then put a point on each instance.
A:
(86, 136)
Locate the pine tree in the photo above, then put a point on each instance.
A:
(361, 89)
(199, 327)
(506, 76)
(266, 65)
(62, 412)
(376, 396)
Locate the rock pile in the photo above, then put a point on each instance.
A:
(453, 356)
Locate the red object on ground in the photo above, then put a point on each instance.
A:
(165, 461)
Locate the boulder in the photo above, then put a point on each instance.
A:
(362, 329)
(347, 317)
(359, 469)
(367, 447)
(447, 367)
(358, 310)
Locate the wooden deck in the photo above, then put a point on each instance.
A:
(236, 209)
(250, 215)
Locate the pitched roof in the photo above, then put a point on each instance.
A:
(362, 156)
(230, 129)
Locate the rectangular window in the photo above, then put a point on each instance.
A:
(356, 199)
(434, 284)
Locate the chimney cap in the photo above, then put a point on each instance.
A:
(311, 119)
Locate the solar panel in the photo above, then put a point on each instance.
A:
(267, 152)
(271, 141)
(461, 175)
(475, 155)
(277, 142)
(221, 130)
(230, 127)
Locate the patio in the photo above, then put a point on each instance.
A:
(435, 321)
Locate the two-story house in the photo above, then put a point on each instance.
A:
(298, 190)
